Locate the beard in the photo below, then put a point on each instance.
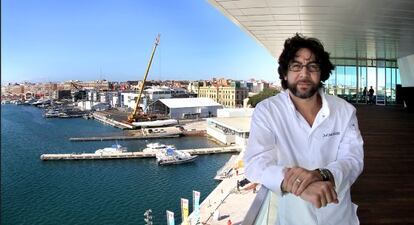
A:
(303, 92)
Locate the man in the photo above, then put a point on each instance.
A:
(364, 93)
(305, 146)
(371, 95)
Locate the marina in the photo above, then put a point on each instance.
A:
(136, 154)
(91, 191)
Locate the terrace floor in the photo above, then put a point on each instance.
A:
(385, 190)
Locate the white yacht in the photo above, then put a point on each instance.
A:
(170, 155)
(51, 113)
(155, 147)
(156, 123)
(116, 148)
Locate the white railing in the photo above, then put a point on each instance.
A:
(263, 210)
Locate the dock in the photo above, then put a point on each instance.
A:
(136, 137)
(106, 120)
(136, 154)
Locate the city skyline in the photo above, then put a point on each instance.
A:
(112, 40)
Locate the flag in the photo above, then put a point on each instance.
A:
(196, 205)
(170, 218)
(184, 211)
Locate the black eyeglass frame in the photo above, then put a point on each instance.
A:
(312, 67)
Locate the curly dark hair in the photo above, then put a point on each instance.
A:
(292, 45)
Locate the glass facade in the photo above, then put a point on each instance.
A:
(352, 78)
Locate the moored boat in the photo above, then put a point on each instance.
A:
(156, 123)
(170, 155)
(116, 148)
(51, 113)
(155, 147)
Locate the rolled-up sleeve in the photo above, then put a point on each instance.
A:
(260, 155)
(350, 158)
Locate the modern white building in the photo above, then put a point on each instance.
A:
(91, 105)
(229, 130)
(128, 100)
(116, 101)
(155, 93)
(259, 86)
(92, 95)
(186, 108)
(194, 86)
(235, 112)
(178, 92)
(231, 126)
(110, 97)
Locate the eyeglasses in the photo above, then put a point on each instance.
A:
(311, 67)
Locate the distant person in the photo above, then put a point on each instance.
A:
(371, 96)
(306, 146)
(365, 93)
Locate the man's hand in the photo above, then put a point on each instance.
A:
(320, 194)
(297, 179)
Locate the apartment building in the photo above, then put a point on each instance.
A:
(230, 96)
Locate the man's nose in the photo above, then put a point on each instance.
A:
(304, 71)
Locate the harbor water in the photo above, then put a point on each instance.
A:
(91, 191)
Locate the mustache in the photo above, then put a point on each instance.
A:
(308, 81)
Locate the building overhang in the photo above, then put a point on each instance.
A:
(366, 29)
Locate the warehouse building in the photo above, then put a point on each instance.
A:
(186, 108)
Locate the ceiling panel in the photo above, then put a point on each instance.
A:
(348, 28)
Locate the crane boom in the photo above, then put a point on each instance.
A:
(132, 117)
(74, 85)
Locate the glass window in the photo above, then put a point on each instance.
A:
(330, 84)
(389, 73)
(340, 81)
(380, 92)
(372, 77)
(398, 77)
(350, 83)
(362, 84)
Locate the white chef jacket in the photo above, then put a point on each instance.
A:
(280, 137)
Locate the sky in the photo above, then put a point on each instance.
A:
(52, 41)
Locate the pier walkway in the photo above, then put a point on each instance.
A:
(137, 154)
(103, 118)
(135, 137)
(226, 201)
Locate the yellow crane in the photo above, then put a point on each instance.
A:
(135, 116)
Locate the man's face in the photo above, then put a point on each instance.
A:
(303, 75)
